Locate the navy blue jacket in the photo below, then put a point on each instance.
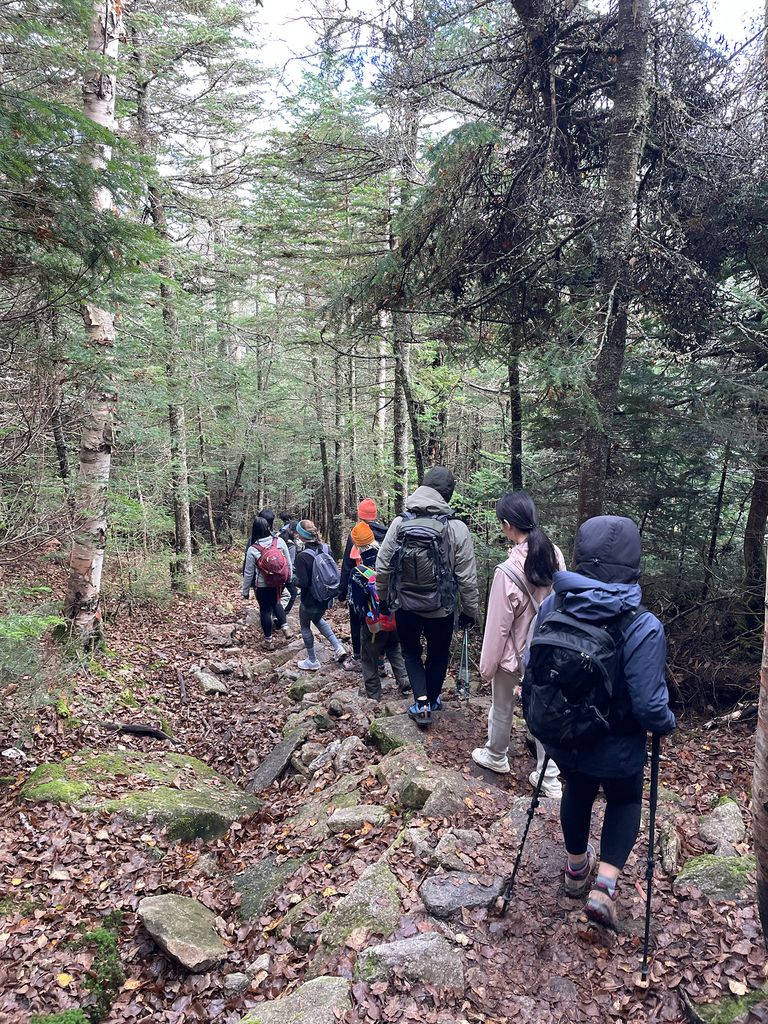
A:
(644, 654)
(379, 531)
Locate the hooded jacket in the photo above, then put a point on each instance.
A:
(641, 674)
(428, 501)
(251, 575)
(510, 614)
(347, 564)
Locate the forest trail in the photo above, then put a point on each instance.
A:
(64, 868)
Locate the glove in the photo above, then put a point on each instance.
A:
(466, 621)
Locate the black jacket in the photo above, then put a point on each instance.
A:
(347, 565)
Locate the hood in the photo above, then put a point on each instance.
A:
(427, 499)
(608, 548)
(441, 480)
(594, 601)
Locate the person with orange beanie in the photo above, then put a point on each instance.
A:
(368, 514)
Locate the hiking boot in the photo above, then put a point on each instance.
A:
(340, 653)
(384, 670)
(287, 631)
(353, 664)
(577, 883)
(308, 665)
(437, 705)
(494, 762)
(600, 907)
(551, 788)
(269, 643)
(404, 685)
(421, 713)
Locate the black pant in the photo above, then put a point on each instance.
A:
(355, 622)
(426, 676)
(293, 590)
(269, 605)
(621, 823)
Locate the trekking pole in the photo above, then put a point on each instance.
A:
(650, 861)
(509, 885)
(463, 683)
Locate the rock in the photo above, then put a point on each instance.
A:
(670, 847)
(669, 796)
(260, 964)
(372, 904)
(294, 925)
(446, 853)
(184, 929)
(252, 617)
(236, 982)
(305, 684)
(259, 884)
(723, 827)
(326, 757)
(223, 668)
(349, 747)
(419, 839)
(262, 669)
(323, 1000)
(398, 766)
(276, 761)
(220, 634)
(417, 788)
(195, 803)
(443, 895)
(208, 865)
(350, 819)
(428, 957)
(730, 1009)
(395, 731)
(718, 878)
(209, 683)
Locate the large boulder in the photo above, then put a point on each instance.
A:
(393, 731)
(436, 791)
(718, 878)
(444, 895)
(372, 904)
(257, 885)
(724, 827)
(400, 764)
(184, 929)
(323, 1000)
(194, 803)
(350, 819)
(428, 957)
(276, 761)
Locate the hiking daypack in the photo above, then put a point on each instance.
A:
(421, 577)
(362, 590)
(570, 696)
(274, 567)
(325, 575)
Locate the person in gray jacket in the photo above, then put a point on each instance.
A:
(424, 569)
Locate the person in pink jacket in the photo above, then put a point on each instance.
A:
(519, 586)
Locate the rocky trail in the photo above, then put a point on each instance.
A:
(282, 850)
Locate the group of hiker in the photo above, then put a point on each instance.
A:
(588, 656)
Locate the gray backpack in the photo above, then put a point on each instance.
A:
(325, 575)
(421, 575)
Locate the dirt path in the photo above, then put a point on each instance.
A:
(64, 869)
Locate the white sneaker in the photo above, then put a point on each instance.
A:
(487, 759)
(340, 653)
(307, 665)
(551, 788)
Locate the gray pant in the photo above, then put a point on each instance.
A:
(500, 716)
(309, 618)
(374, 646)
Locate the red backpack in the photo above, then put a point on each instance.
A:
(273, 566)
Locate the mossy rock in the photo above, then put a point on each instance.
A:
(718, 878)
(199, 805)
(727, 1009)
(293, 926)
(393, 731)
(324, 1000)
(258, 884)
(669, 796)
(372, 903)
(303, 685)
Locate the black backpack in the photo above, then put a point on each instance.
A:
(570, 692)
(421, 575)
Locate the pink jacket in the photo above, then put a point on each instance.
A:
(509, 616)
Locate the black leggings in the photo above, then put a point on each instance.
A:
(426, 672)
(293, 591)
(269, 605)
(621, 824)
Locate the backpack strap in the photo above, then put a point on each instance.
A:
(521, 582)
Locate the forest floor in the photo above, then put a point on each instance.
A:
(64, 869)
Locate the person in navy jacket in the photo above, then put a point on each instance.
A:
(604, 586)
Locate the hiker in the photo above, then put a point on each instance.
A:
(367, 512)
(519, 586)
(288, 534)
(268, 516)
(267, 569)
(318, 578)
(378, 636)
(425, 564)
(602, 592)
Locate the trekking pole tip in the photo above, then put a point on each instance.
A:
(642, 979)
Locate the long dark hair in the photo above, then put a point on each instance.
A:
(518, 509)
(260, 529)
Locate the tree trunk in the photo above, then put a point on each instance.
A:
(181, 566)
(86, 562)
(611, 318)
(380, 421)
(338, 447)
(206, 485)
(399, 423)
(709, 560)
(760, 782)
(515, 416)
(328, 490)
(754, 531)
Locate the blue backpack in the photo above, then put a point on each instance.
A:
(325, 575)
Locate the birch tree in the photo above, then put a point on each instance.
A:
(81, 603)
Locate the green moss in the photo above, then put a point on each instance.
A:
(346, 799)
(727, 1009)
(368, 967)
(51, 782)
(669, 796)
(127, 698)
(724, 800)
(67, 1017)
(372, 903)
(6, 905)
(717, 877)
(259, 884)
(188, 814)
(106, 975)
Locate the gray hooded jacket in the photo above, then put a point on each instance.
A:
(462, 552)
